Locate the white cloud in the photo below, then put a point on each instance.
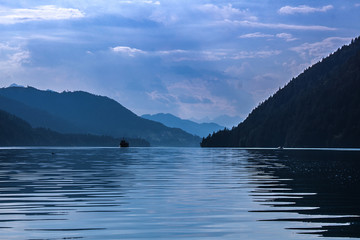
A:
(138, 10)
(196, 98)
(13, 56)
(53, 37)
(256, 35)
(137, 2)
(303, 9)
(220, 54)
(179, 55)
(18, 58)
(128, 50)
(236, 71)
(161, 97)
(278, 25)
(255, 54)
(164, 16)
(264, 85)
(316, 51)
(41, 13)
(357, 4)
(152, 2)
(294, 67)
(226, 12)
(168, 52)
(286, 36)
(11, 60)
(7, 47)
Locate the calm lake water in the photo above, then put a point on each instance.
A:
(178, 193)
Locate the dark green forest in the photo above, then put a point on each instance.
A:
(319, 108)
(16, 132)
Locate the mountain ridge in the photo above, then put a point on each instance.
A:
(170, 120)
(99, 115)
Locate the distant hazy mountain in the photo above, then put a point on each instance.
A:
(82, 112)
(222, 120)
(319, 108)
(199, 129)
(16, 132)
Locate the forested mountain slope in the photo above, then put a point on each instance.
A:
(16, 132)
(319, 108)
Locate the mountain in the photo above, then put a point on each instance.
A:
(16, 85)
(319, 108)
(84, 113)
(199, 129)
(37, 117)
(16, 132)
(222, 120)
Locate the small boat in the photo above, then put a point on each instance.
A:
(280, 148)
(124, 143)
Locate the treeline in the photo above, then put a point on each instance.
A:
(319, 108)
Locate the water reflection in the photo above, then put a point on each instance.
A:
(321, 187)
(178, 193)
(43, 190)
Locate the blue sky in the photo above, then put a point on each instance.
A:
(195, 59)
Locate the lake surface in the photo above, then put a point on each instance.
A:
(178, 193)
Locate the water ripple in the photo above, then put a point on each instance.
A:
(178, 193)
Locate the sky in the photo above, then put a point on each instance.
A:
(195, 59)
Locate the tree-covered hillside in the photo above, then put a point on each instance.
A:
(85, 113)
(16, 132)
(37, 117)
(319, 108)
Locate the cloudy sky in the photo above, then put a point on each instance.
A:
(192, 58)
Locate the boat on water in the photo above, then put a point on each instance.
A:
(124, 143)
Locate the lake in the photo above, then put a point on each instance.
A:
(178, 193)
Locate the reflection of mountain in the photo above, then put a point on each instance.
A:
(319, 186)
(85, 113)
(199, 129)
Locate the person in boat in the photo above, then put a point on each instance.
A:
(124, 143)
